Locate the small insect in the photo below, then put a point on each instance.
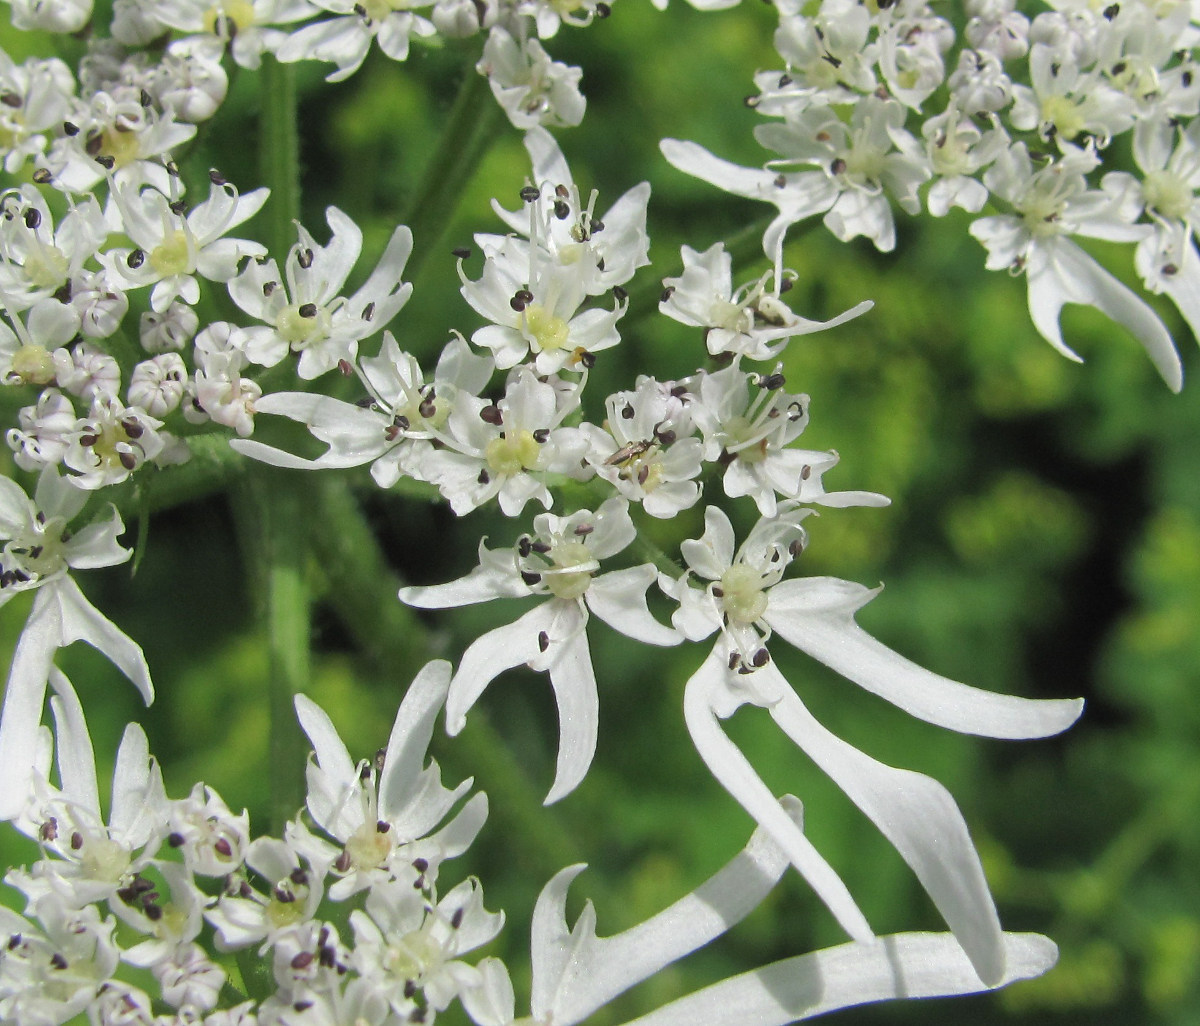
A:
(627, 452)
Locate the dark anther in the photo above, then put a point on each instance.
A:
(530, 193)
(42, 176)
(561, 191)
(795, 548)
(761, 658)
(541, 435)
(665, 437)
(603, 10)
(562, 209)
(216, 177)
(517, 303)
(128, 460)
(153, 912)
(780, 181)
(596, 226)
(543, 641)
(178, 207)
(303, 960)
(11, 100)
(175, 840)
(269, 287)
(106, 162)
(1169, 270)
(360, 10)
(135, 259)
(541, 547)
(343, 862)
(58, 962)
(666, 294)
(172, 169)
(523, 546)
(1111, 11)
(420, 865)
(784, 81)
(583, 530)
(771, 382)
(93, 145)
(679, 392)
(805, 472)
(587, 359)
(838, 167)
(530, 578)
(305, 258)
(718, 591)
(283, 895)
(462, 252)
(33, 218)
(491, 414)
(222, 847)
(307, 310)
(483, 477)
(427, 407)
(643, 474)
(456, 919)
(620, 293)
(382, 826)
(380, 756)
(786, 285)
(751, 101)
(734, 659)
(146, 99)
(410, 988)
(132, 428)
(49, 830)
(368, 312)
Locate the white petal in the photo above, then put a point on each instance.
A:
(919, 816)
(902, 965)
(81, 621)
(487, 657)
(737, 776)
(1069, 275)
(76, 759)
(599, 969)
(619, 599)
(23, 700)
(409, 741)
(574, 683)
(332, 757)
(816, 614)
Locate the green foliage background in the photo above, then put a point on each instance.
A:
(1044, 539)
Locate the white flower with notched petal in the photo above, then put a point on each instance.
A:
(38, 554)
(559, 562)
(310, 316)
(1051, 204)
(748, 601)
(382, 815)
(575, 972)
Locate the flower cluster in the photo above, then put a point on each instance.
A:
(1005, 112)
(108, 267)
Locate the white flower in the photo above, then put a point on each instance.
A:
(38, 554)
(1051, 204)
(383, 817)
(532, 89)
(559, 561)
(309, 316)
(748, 601)
(345, 38)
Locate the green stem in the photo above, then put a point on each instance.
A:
(272, 510)
(470, 129)
(279, 153)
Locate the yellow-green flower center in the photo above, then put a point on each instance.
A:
(123, 147)
(562, 581)
(34, 365)
(103, 859)
(238, 12)
(173, 255)
(511, 453)
(1063, 113)
(46, 266)
(547, 330)
(1169, 194)
(742, 594)
(303, 323)
(369, 847)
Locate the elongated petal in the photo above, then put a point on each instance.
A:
(76, 759)
(81, 621)
(491, 579)
(737, 776)
(1069, 275)
(574, 683)
(487, 657)
(133, 779)
(409, 741)
(919, 816)
(816, 614)
(23, 699)
(334, 773)
(902, 965)
(576, 972)
(619, 599)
